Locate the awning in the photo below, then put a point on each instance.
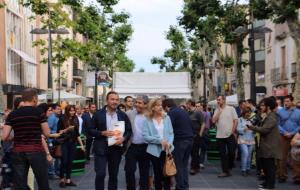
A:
(63, 96)
(24, 56)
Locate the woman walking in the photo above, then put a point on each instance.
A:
(158, 133)
(69, 125)
(246, 140)
(269, 147)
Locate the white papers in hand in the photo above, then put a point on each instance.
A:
(119, 129)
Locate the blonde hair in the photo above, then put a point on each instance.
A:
(151, 105)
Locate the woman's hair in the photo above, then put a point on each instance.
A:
(44, 107)
(68, 119)
(269, 102)
(151, 105)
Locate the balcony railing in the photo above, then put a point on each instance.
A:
(77, 73)
(278, 76)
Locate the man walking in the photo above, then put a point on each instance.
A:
(28, 123)
(183, 141)
(137, 151)
(198, 126)
(52, 123)
(102, 128)
(225, 118)
(86, 122)
(289, 125)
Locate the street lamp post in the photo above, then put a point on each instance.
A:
(251, 31)
(50, 32)
(96, 88)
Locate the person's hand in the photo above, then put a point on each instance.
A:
(107, 133)
(119, 140)
(117, 133)
(49, 158)
(288, 135)
(164, 144)
(56, 135)
(82, 148)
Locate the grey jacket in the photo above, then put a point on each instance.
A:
(269, 146)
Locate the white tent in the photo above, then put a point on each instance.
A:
(64, 96)
(172, 84)
(230, 100)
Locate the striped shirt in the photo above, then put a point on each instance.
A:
(26, 123)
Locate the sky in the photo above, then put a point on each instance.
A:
(150, 20)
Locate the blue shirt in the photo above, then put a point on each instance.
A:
(138, 129)
(52, 123)
(289, 120)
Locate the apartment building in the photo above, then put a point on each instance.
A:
(18, 61)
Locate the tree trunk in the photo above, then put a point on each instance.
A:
(239, 73)
(222, 71)
(294, 27)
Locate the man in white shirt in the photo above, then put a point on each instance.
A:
(136, 153)
(79, 116)
(225, 118)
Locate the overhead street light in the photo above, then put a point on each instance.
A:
(50, 32)
(243, 30)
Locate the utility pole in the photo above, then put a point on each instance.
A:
(96, 88)
(252, 58)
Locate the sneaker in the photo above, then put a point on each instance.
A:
(223, 174)
(193, 172)
(62, 184)
(281, 180)
(262, 185)
(202, 166)
(71, 184)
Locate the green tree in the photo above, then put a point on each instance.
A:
(175, 58)
(281, 11)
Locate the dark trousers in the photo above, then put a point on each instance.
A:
(160, 181)
(112, 159)
(227, 147)
(137, 154)
(203, 146)
(88, 146)
(195, 162)
(6, 170)
(181, 154)
(68, 153)
(21, 163)
(269, 169)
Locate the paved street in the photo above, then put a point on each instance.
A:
(206, 180)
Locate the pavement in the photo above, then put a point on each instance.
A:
(205, 180)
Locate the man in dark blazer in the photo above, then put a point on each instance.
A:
(87, 121)
(101, 129)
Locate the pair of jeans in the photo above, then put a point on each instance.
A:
(181, 154)
(111, 159)
(160, 181)
(68, 150)
(137, 154)
(269, 169)
(246, 155)
(22, 161)
(227, 148)
(204, 140)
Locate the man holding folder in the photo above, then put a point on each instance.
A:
(110, 140)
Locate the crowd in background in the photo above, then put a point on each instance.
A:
(44, 137)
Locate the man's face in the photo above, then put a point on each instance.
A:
(86, 109)
(189, 106)
(113, 101)
(78, 111)
(243, 105)
(140, 105)
(129, 102)
(199, 107)
(92, 108)
(288, 103)
(57, 110)
(220, 101)
(278, 101)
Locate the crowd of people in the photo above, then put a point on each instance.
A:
(146, 131)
